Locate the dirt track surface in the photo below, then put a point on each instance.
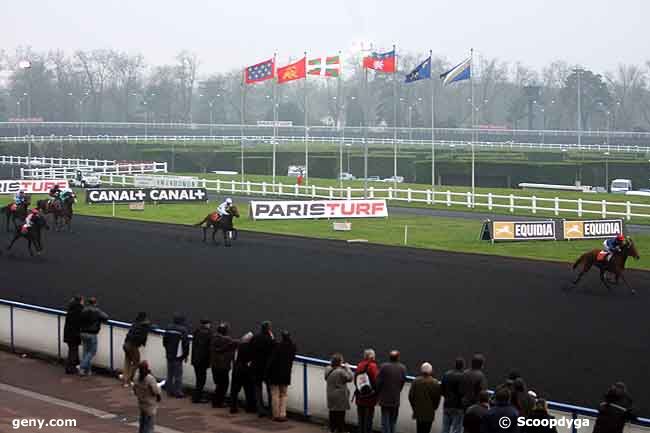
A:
(335, 296)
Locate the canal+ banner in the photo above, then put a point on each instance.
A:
(298, 209)
(592, 229)
(519, 230)
(149, 195)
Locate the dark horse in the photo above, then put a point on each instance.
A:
(223, 223)
(15, 212)
(615, 266)
(60, 209)
(32, 234)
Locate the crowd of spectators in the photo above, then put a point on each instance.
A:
(260, 361)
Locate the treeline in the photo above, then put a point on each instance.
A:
(113, 86)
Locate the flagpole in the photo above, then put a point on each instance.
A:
(339, 123)
(395, 121)
(471, 76)
(275, 115)
(306, 126)
(365, 134)
(433, 126)
(242, 120)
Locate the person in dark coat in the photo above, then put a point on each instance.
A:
(91, 322)
(242, 376)
(262, 346)
(72, 333)
(493, 420)
(390, 381)
(475, 413)
(451, 387)
(540, 412)
(521, 399)
(424, 397)
(201, 358)
(176, 342)
(615, 411)
(278, 374)
(474, 381)
(135, 339)
(222, 355)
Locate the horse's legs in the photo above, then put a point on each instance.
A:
(585, 268)
(215, 229)
(604, 280)
(29, 245)
(226, 237)
(11, 244)
(632, 291)
(205, 229)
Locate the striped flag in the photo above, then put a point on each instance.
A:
(460, 72)
(325, 66)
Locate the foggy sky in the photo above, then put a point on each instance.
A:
(598, 34)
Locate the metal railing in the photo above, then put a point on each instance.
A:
(307, 371)
(70, 172)
(251, 140)
(512, 203)
(55, 162)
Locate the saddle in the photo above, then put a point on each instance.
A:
(602, 256)
(215, 217)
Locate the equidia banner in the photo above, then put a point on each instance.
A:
(260, 210)
(133, 195)
(30, 186)
(592, 229)
(522, 230)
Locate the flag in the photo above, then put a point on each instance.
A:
(382, 62)
(294, 71)
(462, 71)
(261, 72)
(421, 72)
(325, 66)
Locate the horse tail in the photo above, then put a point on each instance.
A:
(580, 260)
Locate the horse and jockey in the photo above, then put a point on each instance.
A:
(17, 210)
(221, 219)
(30, 230)
(59, 204)
(610, 259)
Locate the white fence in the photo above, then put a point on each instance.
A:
(251, 140)
(70, 172)
(56, 162)
(157, 181)
(39, 329)
(491, 202)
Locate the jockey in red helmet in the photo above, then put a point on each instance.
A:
(613, 245)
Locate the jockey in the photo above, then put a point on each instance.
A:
(54, 193)
(28, 220)
(613, 245)
(65, 193)
(224, 207)
(19, 199)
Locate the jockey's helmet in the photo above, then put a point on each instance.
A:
(228, 201)
(620, 237)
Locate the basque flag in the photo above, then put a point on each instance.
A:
(462, 71)
(421, 72)
(261, 72)
(382, 62)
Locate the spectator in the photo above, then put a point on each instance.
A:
(135, 338)
(279, 375)
(476, 412)
(451, 386)
(365, 394)
(390, 381)
(242, 376)
(201, 358)
(337, 376)
(261, 345)
(492, 421)
(91, 323)
(615, 411)
(474, 381)
(72, 333)
(148, 393)
(177, 349)
(222, 354)
(540, 412)
(521, 399)
(424, 397)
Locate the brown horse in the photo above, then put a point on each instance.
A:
(615, 266)
(15, 212)
(32, 234)
(61, 210)
(223, 223)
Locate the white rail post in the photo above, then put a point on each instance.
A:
(512, 203)
(295, 190)
(372, 192)
(218, 185)
(628, 210)
(408, 195)
(313, 190)
(534, 203)
(349, 193)
(469, 199)
(557, 206)
(448, 198)
(428, 196)
(406, 234)
(331, 192)
(280, 188)
(604, 208)
(248, 187)
(263, 188)
(232, 185)
(579, 207)
(390, 193)
(489, 201)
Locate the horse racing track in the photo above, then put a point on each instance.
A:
(334, 296)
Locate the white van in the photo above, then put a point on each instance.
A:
(620, 186)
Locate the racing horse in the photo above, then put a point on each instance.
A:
(223, 223)
(32, 234)
(61, 210)
(14, 212)
(615, 266)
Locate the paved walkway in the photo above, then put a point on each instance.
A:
(38, 390)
